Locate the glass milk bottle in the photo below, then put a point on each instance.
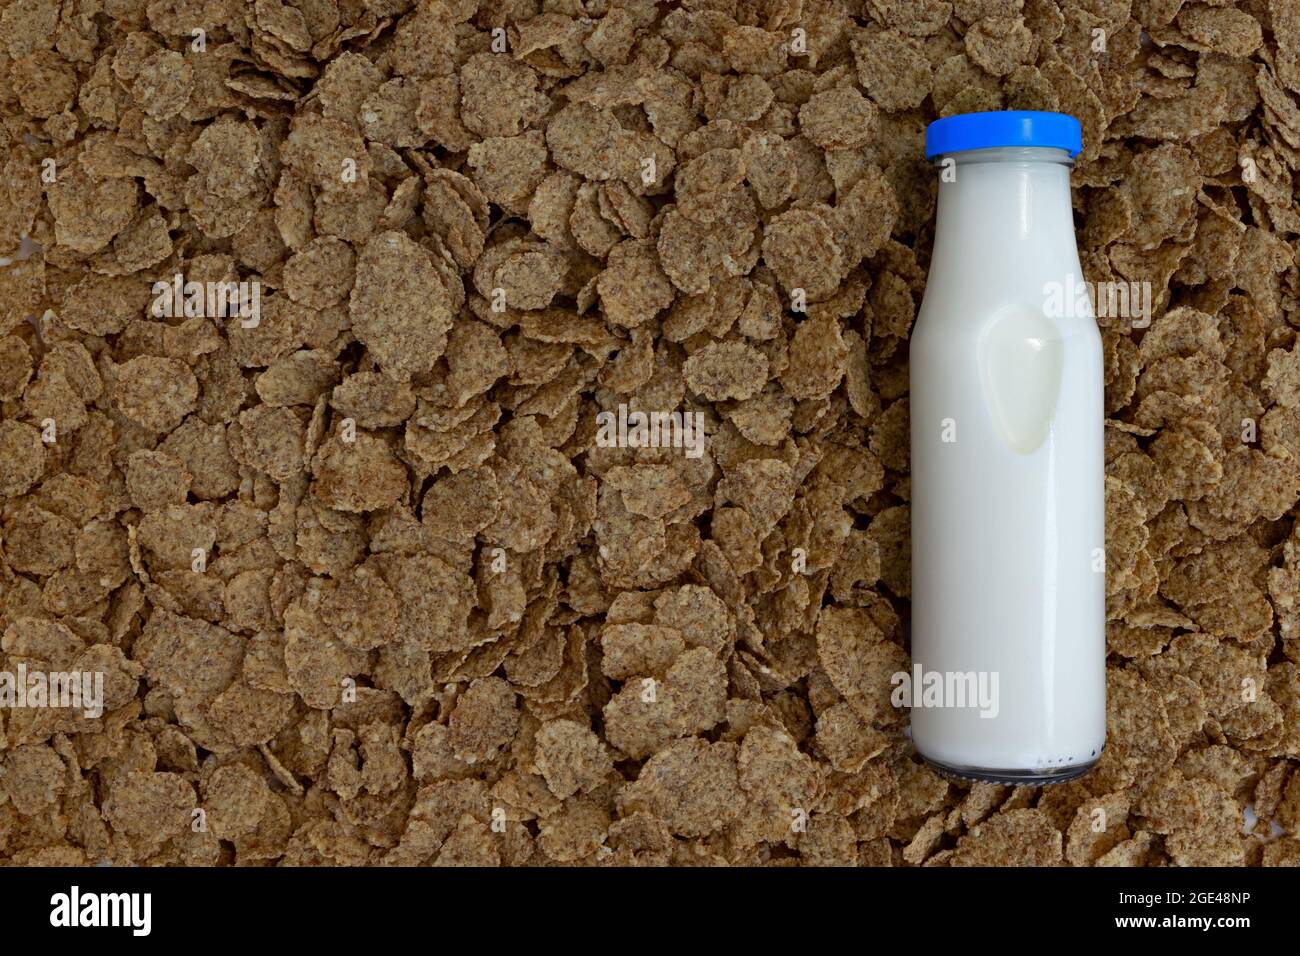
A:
(1008, 575)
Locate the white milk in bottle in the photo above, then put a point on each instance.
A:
(1008, 574)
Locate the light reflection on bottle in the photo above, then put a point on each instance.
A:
(1020, 357)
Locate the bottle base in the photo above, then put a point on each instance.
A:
(1038, 777)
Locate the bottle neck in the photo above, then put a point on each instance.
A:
(995, 204)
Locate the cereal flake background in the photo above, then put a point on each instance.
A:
(432, 619)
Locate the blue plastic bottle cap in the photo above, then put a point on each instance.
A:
(954, 134)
